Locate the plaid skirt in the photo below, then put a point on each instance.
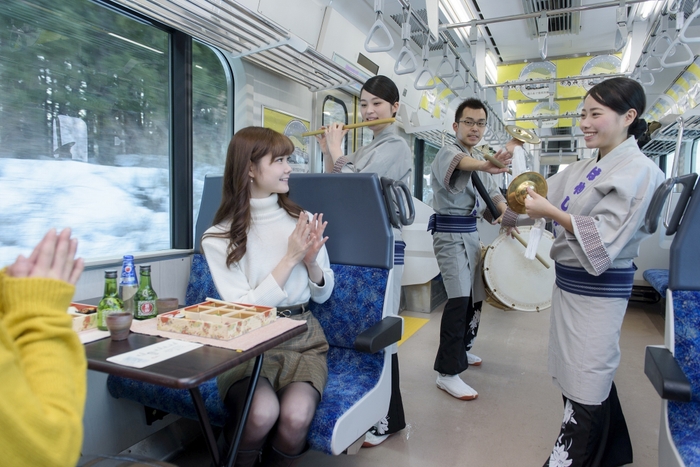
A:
(302, 358)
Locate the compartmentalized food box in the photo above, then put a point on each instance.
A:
(216, 320)
(83, 321)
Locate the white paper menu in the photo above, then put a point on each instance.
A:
(154, 353)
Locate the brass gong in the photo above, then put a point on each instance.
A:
(517, 190)
(522, 134)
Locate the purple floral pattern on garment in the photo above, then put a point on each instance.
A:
(579, 188)
(595, 171)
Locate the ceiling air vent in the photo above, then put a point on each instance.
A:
(564, 23)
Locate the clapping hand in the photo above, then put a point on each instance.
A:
(52, 258)
(317, 239)
(307, 238)
(300, 239)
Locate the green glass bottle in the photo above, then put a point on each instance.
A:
(110, 303)
(145, 297)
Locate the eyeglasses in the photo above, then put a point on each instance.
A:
(470, 123)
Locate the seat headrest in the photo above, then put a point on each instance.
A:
(211, 199)
(358, 231)
(684, 257)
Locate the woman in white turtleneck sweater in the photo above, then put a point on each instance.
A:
(265, 250)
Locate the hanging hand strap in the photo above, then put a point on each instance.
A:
(379, 26)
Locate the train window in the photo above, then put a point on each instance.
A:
(210, 118)
(366, 136)
(429, 152)
(334, 110)
(84, 140)
(668, 169)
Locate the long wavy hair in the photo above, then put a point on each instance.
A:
(247, 149)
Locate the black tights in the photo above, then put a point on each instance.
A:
(291, 409)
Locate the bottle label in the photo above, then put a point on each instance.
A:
(102, 315)
(146, 308)
(102, 320)
(128, 276)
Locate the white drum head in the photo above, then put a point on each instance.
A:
(517, 282)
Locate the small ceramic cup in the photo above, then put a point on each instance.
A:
(119, 325)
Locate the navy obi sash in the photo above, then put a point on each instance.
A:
(399, 252)
(613, 283)
(446, 223)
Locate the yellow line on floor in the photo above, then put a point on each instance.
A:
(410, 326)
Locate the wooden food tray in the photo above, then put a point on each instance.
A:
(216, 319)
(83, 322)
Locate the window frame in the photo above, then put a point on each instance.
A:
(181, 127)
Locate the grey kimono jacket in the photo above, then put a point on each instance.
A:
(459, 254)
(607, 200)
(388, 155)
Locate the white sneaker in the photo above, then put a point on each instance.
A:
(472, 359)
(377, 434)
(372, 440)
(454, 386)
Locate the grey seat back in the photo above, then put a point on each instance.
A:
(211, 199)
(356, 212)
(353, 205)
(684, 273)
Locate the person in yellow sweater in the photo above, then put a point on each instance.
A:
(42, 362)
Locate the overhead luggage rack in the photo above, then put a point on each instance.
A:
(246, 34)
(664, 140)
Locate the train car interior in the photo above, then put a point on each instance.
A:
(115, 118)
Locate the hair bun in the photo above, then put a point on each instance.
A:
(638, 127)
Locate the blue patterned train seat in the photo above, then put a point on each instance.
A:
(200, 285)
(173, 401)
(658, 278)
(355, 305)
(684, 417)
(674, 368)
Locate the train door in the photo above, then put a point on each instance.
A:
(333, 106)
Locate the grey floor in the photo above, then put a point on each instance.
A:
(516, 418)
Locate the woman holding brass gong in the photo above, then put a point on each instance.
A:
(597, 208)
